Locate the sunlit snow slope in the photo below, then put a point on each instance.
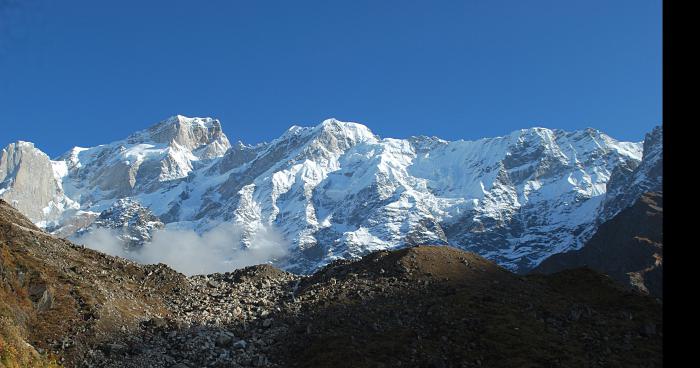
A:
(337, 190)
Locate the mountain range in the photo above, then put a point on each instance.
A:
(338, 191)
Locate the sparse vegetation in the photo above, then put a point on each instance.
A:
(15, 352)
(426, 306)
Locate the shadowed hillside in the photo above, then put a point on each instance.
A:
(441, 307)
(629, 248)
(61, 298)
(427, 306)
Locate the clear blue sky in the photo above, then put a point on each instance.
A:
(80, 72)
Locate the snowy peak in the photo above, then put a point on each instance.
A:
(653, 144)
(630, 181)
(166, 152)
(187, 133)
(352, 133)
(11, 159)
(28, 181)
(331, 137)
(12, 155)
(337, 190)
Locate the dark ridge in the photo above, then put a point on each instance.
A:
(425, 306)
(628, 247)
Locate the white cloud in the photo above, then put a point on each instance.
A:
(217, 250)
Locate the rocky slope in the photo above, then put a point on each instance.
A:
(628, 184)
(419, 307)
(338, 191)
(59, 300)
(130, 222)
(629, 248)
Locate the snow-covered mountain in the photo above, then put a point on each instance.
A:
(629, 183)
(30, 181)
(337, 190)
(132, 223)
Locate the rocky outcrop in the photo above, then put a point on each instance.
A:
(629, 248)
(194, 134)
(149, 160)
(132, 223)
(628, 182)
(27, 181)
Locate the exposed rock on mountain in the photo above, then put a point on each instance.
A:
(629, 248)
(132, 223)
(145, 162)
(339, 191)
(204, 136)
(627, 183)
(416, 307)
(27, 180)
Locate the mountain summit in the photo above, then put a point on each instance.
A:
(188, 133)
(337, 190)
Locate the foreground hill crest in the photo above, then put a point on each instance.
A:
(337, 190)
(423, 306)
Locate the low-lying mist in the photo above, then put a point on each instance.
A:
(216, 250)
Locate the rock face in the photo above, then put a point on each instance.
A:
(28, 181)
(337, 190)
(145, 162)
(627, 184)
(133, 223)
(424, 306)
(202, 135)
(629, 248)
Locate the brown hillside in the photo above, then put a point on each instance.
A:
(417, 307)
(628, 247)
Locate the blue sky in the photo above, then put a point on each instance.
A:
(80, 72)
